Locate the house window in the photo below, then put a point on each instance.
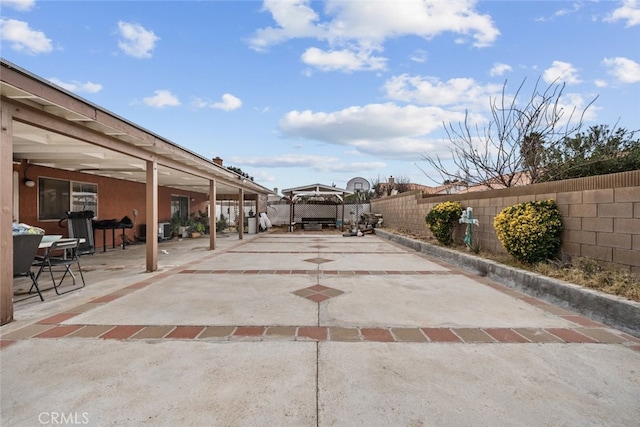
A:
(57, 196)
(180, 208)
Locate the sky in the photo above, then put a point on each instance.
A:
(300, 92)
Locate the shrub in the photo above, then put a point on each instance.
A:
(221, 224)
(530, 231)
(441, 220)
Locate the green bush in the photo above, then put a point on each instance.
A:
(441, 220)
(530, 231)
(221, 225)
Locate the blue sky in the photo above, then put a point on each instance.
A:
(300, 92)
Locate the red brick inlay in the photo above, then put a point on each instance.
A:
(317, 297)
(318, 293)
(441, 335)
(506, 335)
(6, 343)
(570, 336)
(317, 333)
(106, 298)
(122, 332)
(376, 334)
(324, 333)
(185, 332)
(59, 331)
(58, 318)
(140, 285)
(580, 320)
(532, 300)
(249, 331)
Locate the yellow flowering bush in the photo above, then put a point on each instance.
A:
(441, 220)
(530, 231)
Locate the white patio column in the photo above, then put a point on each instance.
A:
(152, 215)
(6, 216)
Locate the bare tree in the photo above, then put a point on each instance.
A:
(381, 189)
(401, 184)
(512, 143)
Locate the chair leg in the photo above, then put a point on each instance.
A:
(56, 285)
(35, 285)
(73, 278)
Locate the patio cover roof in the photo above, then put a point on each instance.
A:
(55, 128)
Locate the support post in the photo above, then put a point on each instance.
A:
(212, 214)
(152, 215)
(240, 217)
(6, 216)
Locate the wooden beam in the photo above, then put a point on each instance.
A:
(6, 215)
(152, 216)
(156, 151)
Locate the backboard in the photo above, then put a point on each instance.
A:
(358, 184)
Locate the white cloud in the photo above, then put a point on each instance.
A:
(161, 99)
(77, 87)
(419, 56)
(600, 83)
(460, 93)
(24, 39)
(575, 7)
(561, 72)
(499, 69)
(228, 103)
(629, 11)
(375, 128)
(294, 19)
(315, 163)
(624, 69)
(135, 40)
(21, 5)
(573, 106)
(342, 60)
(355, 29)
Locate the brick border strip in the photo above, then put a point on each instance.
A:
(611, 310)
(227, 333)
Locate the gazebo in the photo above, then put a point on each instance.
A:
(316, 205)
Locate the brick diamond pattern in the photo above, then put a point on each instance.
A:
(318, 260)
(318, 293)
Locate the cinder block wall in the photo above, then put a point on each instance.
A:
(600, 214)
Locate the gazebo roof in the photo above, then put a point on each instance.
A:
(315, 190)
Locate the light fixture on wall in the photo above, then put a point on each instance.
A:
(26, 180)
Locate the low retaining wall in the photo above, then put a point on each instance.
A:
(611, 310)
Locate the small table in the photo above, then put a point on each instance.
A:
(47, 243)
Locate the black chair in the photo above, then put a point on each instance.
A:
(63, 253)
(25, 248)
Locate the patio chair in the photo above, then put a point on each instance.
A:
(25, 248)
(61, 256)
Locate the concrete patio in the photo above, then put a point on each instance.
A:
(307, 329)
